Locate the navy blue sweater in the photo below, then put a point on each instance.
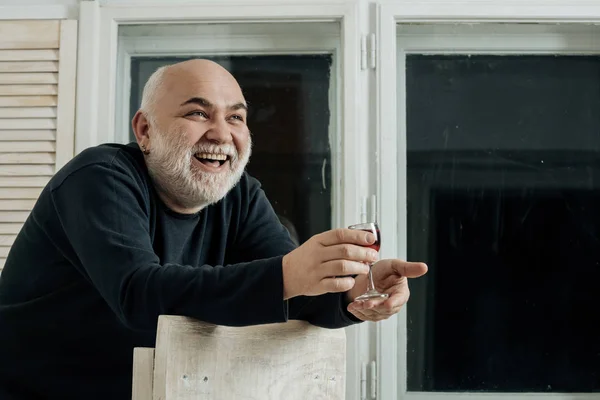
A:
(101, 257)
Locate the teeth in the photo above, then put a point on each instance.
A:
(210, 156)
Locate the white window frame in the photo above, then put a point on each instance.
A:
(391, 336)
(99, 71)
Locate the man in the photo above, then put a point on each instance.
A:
(120, 236)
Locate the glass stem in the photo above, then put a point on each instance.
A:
(371, 285)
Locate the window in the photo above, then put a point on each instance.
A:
(503, 202)
(501, 141)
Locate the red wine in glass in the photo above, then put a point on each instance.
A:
(377, 244)
(371, 292)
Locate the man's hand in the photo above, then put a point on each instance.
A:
(391, 277)
(322, 264)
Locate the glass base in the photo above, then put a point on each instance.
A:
(372, 294)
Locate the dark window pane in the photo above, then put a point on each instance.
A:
(289, 117)
(504, 205)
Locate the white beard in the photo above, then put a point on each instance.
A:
(171, 168)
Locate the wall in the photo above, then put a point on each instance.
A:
(71, 5)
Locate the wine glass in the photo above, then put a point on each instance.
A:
(371, 292)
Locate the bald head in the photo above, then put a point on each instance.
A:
(171, 80)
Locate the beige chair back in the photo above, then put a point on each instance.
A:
(195, 360)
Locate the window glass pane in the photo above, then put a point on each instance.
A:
(504, 204)
(289, 80)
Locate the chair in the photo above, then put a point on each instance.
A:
(196, 360)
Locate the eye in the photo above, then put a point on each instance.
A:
(238, 117)
(197, 113)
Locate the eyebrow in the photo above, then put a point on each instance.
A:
(201, 101)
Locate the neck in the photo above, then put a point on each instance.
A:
(176, 206)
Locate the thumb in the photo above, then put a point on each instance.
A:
(409, 269)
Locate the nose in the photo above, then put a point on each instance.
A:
(219, 132)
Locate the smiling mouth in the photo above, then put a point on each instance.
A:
(211, 159)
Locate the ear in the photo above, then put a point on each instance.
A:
(141, 128)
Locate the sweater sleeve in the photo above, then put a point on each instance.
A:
(263, 236)
(104, 213)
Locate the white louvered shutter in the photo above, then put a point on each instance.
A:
(37, 114)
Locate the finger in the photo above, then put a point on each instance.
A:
(366, 305)
(343, 268)
(390, 281)
(380, 306)
(337, 284)
(374, 314)
(343, 235)
(350, 252)
(393, 304)
(389, 306)
(409, 269)
(367, 315)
